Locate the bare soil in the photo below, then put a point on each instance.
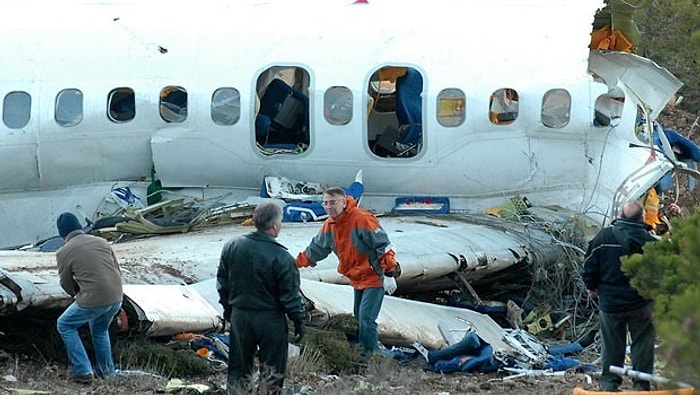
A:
(382, 375)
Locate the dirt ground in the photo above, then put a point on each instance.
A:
(383, 375)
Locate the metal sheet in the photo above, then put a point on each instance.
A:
(402, 321)
(173, 309)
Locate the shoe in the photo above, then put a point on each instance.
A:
(81, 378)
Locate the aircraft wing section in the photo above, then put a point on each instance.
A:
(402, 321)
(22, 289)
(164, 310)
(430, 249)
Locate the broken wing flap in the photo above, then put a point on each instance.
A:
(21, 290)
(165, 310)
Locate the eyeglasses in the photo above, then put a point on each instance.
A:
(331, 203)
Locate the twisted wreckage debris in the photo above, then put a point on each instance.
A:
(496, 267)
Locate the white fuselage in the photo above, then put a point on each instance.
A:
(477, 47)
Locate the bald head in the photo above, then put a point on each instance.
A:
(633, 211)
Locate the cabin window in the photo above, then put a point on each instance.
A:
(226, 106)
(608, 109)
(337, 105)
(173, 104)
(16, 109)
(503, 106)
(395, 112)
(556, 108)
(451, 107)
(69, 107)
(121, 105)
(282, 113)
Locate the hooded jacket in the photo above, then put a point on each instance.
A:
(361, 244)
(602, 266)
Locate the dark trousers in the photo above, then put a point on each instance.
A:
(266, 332)
(613, 331)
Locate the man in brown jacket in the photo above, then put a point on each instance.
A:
(89, 272)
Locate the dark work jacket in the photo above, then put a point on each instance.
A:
(257, 273)
(602, 267)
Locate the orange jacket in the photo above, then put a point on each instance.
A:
(361, 244)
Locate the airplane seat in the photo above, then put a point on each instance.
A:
(409, 112)
(283, 117)
(409, 107)
(262, 128)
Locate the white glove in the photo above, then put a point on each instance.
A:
(389, 285)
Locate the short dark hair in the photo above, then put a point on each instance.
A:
(335, 191)
(266, 215)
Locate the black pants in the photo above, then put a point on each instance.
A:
(613, 330)
(266, 332)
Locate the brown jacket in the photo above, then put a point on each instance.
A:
(89, 271)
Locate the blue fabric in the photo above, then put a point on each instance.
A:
(565, 349)
(403, 204)
(207, 341)
(262, 128)
(686, 151)
(367, 304)
(559, 362)
(283, 118)
(98, 318)
(303, 212)
(686, 147)
(409, 106)
(471, 354)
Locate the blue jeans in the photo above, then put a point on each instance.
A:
(99, 319)
(368, 302)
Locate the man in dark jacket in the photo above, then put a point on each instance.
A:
(621, 307)
(258, 283)
(89, 272)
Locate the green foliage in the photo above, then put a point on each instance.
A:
(144, 354)
(337, 355)
(695, 43)
(669, 273)
(670, 31)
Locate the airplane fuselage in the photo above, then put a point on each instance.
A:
(222, 60)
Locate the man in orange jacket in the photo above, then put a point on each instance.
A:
(365, 255)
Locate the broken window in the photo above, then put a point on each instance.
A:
(69, 107)
(503, 106)
(337, 105)
(16, 109)
(173, 104)
(282, 111)
(556, 108)
(608, 108)
(395, 113)
(121, 105)
(226, 106)
(451, 107)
